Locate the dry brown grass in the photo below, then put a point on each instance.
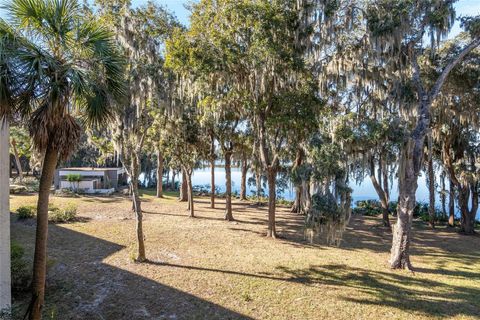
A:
(207, 268)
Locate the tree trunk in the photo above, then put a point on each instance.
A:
(190, 192)
(243, 183)
(228, 186)
(382, 195)
(17, 160)
(40, 256)
(271, 176)
(451, 204)
(173, 180)
(467, 221)
(258, 182)
(167, 183)
(409, 168)
(184, 187)
(443, 198)
(159, 174)
(5, 280)
(431, 185)
(212, 184)
(137, 208)
(297, 204)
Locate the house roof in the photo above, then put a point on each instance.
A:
(89, 169)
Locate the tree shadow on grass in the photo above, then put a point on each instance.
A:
(396, 290)
(81, 286)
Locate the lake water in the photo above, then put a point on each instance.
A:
(363, 191)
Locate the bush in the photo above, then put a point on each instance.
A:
(20, 270)
(368, 208)
(26, 212)
(62, 215)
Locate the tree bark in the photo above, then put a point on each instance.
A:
(410, 160)
(190, 192)
(159, 174)
(451, 204)
(297, 204)
(5, 277)
(382, 195)
(467, 219)
(228, 186)
(137, 208)
(40, 257)
(173, 180)
(431, 185)
(243, 183)
(184, 187)
(258, 182)
(17, 160)
(443, 198)
(271, 176)
(212, 184)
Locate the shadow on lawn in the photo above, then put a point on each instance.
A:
(81, 286)
(390, 289)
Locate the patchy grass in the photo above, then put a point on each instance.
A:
(207, 268)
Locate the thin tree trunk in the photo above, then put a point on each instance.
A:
(381, 193)
(173, 180)
(451, 204)
(228, 186)
(159, 174)
(407, 182)
(212, 183)
(17, 160)
(271, 176)
(297, 204)
(243, 182)
(431, 185)
(190, 193)
(137, 208)
(184, 187)
(167, 183)
(40, 256)
(5, 278)
(443, 198)
(258, 182)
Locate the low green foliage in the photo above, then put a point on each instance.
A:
(74, 177)
(367, 208)
(20, 270)
(26, 212)
(62, 215)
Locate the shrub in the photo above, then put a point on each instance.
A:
(61, 215)
(368, 208)
(26, 212)
(20, 272)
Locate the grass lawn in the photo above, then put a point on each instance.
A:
(207, 268)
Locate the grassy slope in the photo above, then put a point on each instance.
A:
(206, 268)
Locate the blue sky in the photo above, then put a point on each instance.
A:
(464, 7)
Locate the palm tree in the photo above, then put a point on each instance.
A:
(66, 69)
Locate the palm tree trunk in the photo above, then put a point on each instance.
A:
(243, 183)
(5, 280)
(137, 208)
(17, 160)
(228, 186)
(40, 256)
(271, 176)
(212, 183)
(159, 174)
